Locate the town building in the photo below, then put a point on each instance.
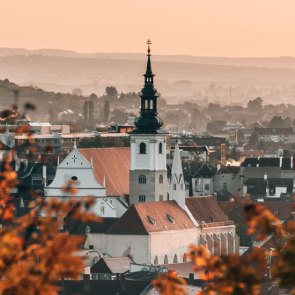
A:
(284, 135)
(148, 171)
(76, 172)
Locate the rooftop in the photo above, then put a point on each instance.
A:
(111, 165)
(144, 218)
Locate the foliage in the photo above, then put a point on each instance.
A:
(255, 105)
(243, 275)
(170, 283)
(111, 92)
(34, 253)
(235, 212)
(216, 126)
(278, 122)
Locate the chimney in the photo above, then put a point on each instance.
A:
(45, 175)
(281, 162)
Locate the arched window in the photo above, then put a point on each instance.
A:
(156, 262)
(160, 148)
(184, 257)
(166, 259)
(142, 148)
(175, 259)
(142, 179)
(161, 178)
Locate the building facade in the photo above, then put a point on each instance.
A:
(148, 172)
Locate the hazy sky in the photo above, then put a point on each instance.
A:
(196, 27)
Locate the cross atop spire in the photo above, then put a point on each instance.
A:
(148, 122)
(149, 42)
(149, 74)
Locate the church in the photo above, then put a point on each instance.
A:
(161, 221)
(154, 221)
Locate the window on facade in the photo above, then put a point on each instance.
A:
(166, 259)
(175, 260)
(141, 198)
(272, 191)
(161, 178)
(156, 262)
(160, 148)
(184, 257)
(142, 179)
(37, 181)
(207, 187)
(161, 198)
(174, 186)
(142, 148)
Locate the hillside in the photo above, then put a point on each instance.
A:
(178, 77)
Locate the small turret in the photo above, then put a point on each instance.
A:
(177, 184)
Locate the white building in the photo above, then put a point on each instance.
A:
(148, 171)
(77, 172)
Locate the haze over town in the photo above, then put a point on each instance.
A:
(147, 147)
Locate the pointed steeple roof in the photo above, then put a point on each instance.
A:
(148, 122)
(149, 72)
(177, 184)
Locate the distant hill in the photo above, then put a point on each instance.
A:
(178, 77)
(44, 101)
(280, 62)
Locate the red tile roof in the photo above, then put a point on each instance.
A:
(114, 165)
(279, 208)
(205, 209)
(143, 218)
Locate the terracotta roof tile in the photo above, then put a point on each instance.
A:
(143, 218)
(281, 209)
(205, 209)
(114, 165)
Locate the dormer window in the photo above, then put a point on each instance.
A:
(171, 218)
(151, 220)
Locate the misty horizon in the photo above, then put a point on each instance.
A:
(141, 54)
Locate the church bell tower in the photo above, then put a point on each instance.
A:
(148, 172)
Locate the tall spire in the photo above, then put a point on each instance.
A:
(177, 184)
(149, 72)
(148, 122)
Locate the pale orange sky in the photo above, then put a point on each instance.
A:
(198, 27)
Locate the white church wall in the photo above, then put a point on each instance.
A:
(171, 243)
(152, 160)
(220, 233)
(137, 246)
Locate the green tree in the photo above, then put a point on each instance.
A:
(111, 92)
(277, 122)
(106, 111)
(255, 105)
